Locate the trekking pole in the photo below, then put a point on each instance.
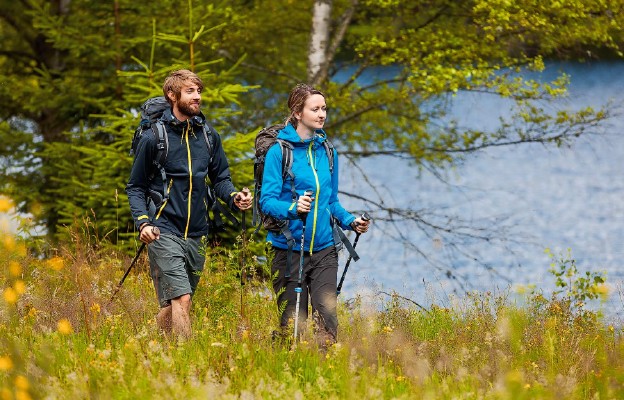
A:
(243, 272)
(365, 217)
(156, 231)
(298, 290)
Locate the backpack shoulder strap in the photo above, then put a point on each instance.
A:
(329, 149)
(287, 162)
(162, 143)
(209, 137)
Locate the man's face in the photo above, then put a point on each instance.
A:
(190, 101)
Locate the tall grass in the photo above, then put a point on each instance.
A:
(61, 338)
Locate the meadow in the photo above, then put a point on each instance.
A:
(62, 337)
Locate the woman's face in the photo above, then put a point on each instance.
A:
(313, 115)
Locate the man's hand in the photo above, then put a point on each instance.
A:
(243, 199)
(148, 233)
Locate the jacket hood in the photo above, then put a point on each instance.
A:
(197, 120)
(289, 134)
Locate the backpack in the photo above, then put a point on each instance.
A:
(151, 112)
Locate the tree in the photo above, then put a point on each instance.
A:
(80, 85)
(434, 49)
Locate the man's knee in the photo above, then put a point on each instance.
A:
(183, 302)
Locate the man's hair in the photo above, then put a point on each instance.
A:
(297, 98)
(176, 81)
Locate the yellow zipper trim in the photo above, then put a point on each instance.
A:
(190, 167)
(165, 202)
(318, 191)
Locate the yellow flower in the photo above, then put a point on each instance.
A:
(387, 329)
(10, 295)
(5, 204)
(32, 312)
(22, 395)
(9, 242)
(15, 269)
(6, 364)
(56, 263)
(19, 286)
(5, 394)
(95, 308)
(21, 250)
(64, 327)
(21, 382)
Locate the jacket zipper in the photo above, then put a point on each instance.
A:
(318, 191)
(165, 202)
(190, 194)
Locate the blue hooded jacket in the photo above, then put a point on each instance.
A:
(311, 170)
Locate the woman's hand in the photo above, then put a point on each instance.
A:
(360, 225)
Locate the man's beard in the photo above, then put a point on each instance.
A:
(188, 109)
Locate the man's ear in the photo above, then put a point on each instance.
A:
(171, 96)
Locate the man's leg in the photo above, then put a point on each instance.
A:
(181, 316)
(163, 319)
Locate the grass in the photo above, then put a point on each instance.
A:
(61, 338)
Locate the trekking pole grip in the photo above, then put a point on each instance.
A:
(304, 216)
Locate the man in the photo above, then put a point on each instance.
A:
(174, 249)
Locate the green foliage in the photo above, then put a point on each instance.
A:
(75, 74)
(576, 288)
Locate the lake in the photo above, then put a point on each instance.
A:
(538, 197)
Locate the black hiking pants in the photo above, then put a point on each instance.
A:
(319, 278)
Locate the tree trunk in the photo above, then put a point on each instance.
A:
(319, 39)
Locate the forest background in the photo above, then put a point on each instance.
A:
(75, 73)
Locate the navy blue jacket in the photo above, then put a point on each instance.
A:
(187, 167)
(311, 170)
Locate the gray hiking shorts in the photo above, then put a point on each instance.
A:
(175, 265)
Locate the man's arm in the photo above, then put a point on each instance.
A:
(137, 187)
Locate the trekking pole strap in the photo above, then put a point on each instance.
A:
(347, 244)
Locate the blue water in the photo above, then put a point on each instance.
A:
(535, 196)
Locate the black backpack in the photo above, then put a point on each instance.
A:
(151, 113)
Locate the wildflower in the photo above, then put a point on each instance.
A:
(6, 364)
(5, 394)
(32, 312)
(19, 286)
(400, 378)
(5, 204)
(9, 242)
(387, 329)
(15, 269)
(527, 386)
(611, 329)
(56, 263)
(22, 395)
(64, 327)
(21, 382)
(95, 308)
(21, 249)
(10, 295)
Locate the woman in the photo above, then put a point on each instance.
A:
(311, 168)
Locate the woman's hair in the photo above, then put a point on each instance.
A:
(297, 98)
(176, 80)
